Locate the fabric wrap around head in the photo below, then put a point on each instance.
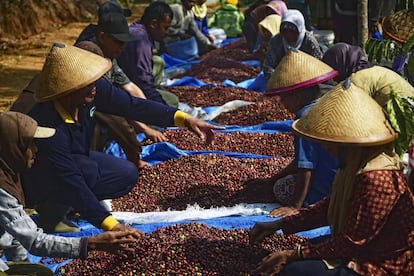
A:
(17, 131)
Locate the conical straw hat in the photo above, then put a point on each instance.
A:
(298, 70)
(67, 69)
(399, 26)
(346, 115)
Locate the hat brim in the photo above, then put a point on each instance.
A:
(124, 37)
(44, 132)
(387, 29)
(394, 32)
(373, 140)
(305, 84)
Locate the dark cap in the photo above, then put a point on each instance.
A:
(113, 6)
(115, 24)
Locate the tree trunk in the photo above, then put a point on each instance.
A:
(362, 22)
(23, 18)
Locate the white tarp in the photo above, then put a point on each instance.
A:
(195, 212)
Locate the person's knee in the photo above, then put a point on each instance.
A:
(89, 169)
(130, 173)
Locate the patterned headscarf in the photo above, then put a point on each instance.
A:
(293, 19)
(346, 59)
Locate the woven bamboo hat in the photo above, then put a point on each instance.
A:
(298, 70)
(346, 115)
(67, 69)
(399, 26)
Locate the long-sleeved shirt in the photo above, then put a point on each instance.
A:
(17, 225)
(54, 160)
(183, 22)
(313, 156)
(276, 51)
(200, 18)
(378, 238)
(136, 61)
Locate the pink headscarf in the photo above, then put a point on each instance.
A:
(277, 6)
(273, 7)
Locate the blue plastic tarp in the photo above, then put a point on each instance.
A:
(229, 41)
(163, 151)
(227, 223)
(267, 127)
(257, 84)
(253, 62)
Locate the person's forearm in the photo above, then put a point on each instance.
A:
(288, 170)
(116, 101)
(138, 126)
(303, 180)
(133, 90)
(309, 218)
(18, 224)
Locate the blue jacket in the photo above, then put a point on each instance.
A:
(55, 166)
(315, 157)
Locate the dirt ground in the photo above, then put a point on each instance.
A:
(21, 60)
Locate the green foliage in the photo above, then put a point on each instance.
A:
(404, 4)
(126, 3)
(379, 50)
(401, 116)
(408, 45)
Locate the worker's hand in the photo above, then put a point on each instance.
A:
(125, 228)
(283, 211)
(155, 135)
(211, 47)
(274, 262)
(263, 229)
(211, 39)
(113, 241)
(203, 129)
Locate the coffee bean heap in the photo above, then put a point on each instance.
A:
(213, 95)
(187, 249)
(236, 51)
(265, 110)
(277, 144)
(208, 180)
(219, 68)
